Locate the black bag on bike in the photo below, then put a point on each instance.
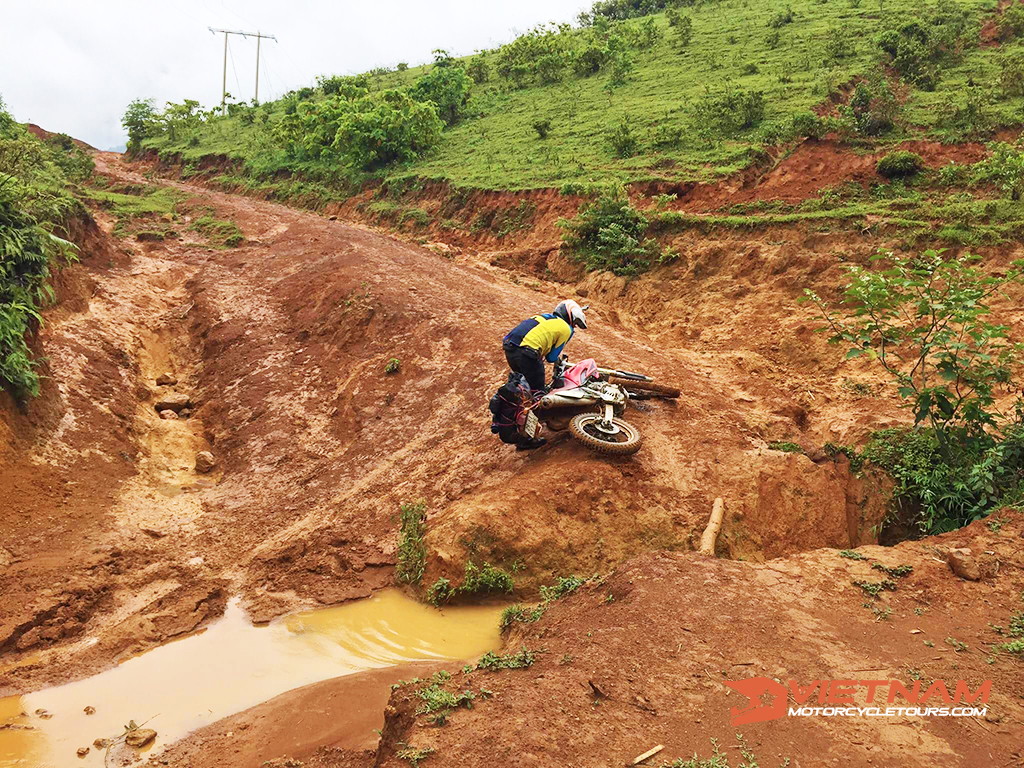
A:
(506, 407)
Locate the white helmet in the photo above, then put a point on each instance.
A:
(572, 313)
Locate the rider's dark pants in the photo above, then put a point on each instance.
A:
(526, 361)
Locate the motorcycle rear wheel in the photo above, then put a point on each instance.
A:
(625, 439)
(662, 390)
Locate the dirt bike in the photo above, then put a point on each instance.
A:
(589, 402)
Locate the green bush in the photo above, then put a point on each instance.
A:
(609, 233)
(1005, 168)
(140, 121)
(917, 47)
(900, 164)
(873, 107)
(542, 127)
(447, 88)
(34, 203)
(924, 320)
(808, 124)
(623, 140)
(1011, 22)
(364, 130)
(729, 111)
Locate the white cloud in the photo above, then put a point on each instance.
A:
(72, 66)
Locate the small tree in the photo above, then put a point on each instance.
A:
(140, 121)
(924, 319)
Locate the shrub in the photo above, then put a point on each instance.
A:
(839, 45)
(447, 88)
(542, 127)
(873, 107)
(393, 366)
(1005, 168)
(968, 118)
(364, 130)
(684, 31)
(479, 70)
(140, 121)
(781, 17)
(440, 592)
(412, 551)
(1011, 22)
(916, 47)
(924, 320)
(623, 140)
(900, 164)
(27, 250)
(729, 111)
(609, 234)
(1011, 74)
(808, 124)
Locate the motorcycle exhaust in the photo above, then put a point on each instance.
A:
(561, 401)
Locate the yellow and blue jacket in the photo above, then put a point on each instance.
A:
(548, 334)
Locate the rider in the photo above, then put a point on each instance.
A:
(540, 338)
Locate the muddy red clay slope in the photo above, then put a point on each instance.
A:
(640, 660)
(115, 544)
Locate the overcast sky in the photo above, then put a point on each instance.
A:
(72, 66)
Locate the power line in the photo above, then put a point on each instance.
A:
(224, 79)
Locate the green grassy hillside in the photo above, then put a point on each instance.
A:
(682, 106)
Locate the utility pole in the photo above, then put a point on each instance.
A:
(224, 79)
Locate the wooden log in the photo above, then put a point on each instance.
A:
(649, 753)
(710, 535)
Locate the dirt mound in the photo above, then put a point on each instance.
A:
(44, 134)
(642, 658)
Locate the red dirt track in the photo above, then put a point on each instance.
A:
(111, 542)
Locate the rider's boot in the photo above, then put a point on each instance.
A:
(530, 443)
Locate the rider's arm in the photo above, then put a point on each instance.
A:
(560, 341)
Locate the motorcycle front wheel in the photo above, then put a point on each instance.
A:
(617, 437)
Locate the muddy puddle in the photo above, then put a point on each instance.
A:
(229, 667)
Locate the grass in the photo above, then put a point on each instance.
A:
(146, 210)
(565, 585)
(219, 233)
(499, 147)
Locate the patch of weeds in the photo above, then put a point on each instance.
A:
(899, 571)
(785, 447)
(438, 702)
(851, 554)
(412, 551)
(957, 645)
(1014, 646)
(393, 366)
(220, 233)
(480, 580)
(882, 613)
(417, 216)
(1017, 625)
(519, 660)
(514, 614)
(440, 592)
(860, 388)
(413, 754)
(995, 524)
(565, 585)
(875, 588)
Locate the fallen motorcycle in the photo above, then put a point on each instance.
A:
(589, 401)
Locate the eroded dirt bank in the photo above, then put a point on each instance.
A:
(113, 542)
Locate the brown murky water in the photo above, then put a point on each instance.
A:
(230, 666)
